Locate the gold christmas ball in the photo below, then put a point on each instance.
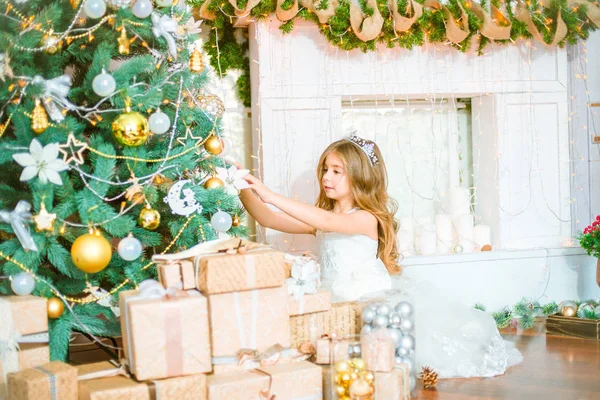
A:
(358, 364)
(131, 129)
(213, 145)
(369, 376)
(91, 252)
(51, 43)
(212, 105)
(340, 390)
(55, 307)
(236, 221)
(568, 308)
(149, 218)
(213, 183)
(345, 398)
(342, 366)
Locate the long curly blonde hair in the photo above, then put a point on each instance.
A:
(368, 184)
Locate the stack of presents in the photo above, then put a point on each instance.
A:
(246, 322)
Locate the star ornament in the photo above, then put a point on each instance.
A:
(44, 221)
(188, 135)
(72, 150)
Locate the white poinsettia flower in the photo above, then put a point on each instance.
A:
(233, 178)
(305, 276)
(42, 162)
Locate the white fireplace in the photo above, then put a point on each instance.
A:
(306, 94)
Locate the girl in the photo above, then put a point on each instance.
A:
(354, 223)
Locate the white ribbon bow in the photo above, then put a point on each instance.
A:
(57, 89)
(164, 25)
(151, 289)
(305, 276)
(17, 219)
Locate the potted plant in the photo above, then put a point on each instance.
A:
(590, 240)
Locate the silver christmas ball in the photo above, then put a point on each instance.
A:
(395, 320)
(399, 360)
(129, 248)
(368, 315)
(404, 308)
(22, 284)
(402, 352)
(366, 328)
(142, 8)
(356, 349)
(407, 342)
(94, 8)
(383, 309)
(381, 321)
(159, 122)
(221, 221)
(104, 84)
(406, 325)
(114, 4)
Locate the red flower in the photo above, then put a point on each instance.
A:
(597, 217)
(585, 231)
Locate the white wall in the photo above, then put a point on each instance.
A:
(520, 137)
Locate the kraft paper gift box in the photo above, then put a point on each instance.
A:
(310, 303)
(52, 381)
(165, 335)
(23, 326)
(177, 274)
(255, 319)
(104, 381)
(331, 350)
(293, 381)
(226, 273)
(378, 350)
(393, 385)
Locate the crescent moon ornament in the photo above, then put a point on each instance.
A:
(182, 206)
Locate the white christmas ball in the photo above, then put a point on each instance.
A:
(402, 352)
(383, 309)
(159, 122)
(368, 315)
(142, 8)
(164, 3)
(404, 308)
(366, 328)
(396, 335)
(104, 84)
(395, 320)
(94, 8)
(119, 3)
(380, 321)
(130, 248)
(22, 284)
(407, 342)
(221, 221)
(406, 325)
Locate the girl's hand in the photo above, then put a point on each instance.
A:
(265, 194)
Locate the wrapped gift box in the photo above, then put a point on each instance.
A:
(255, 319)
(166, 336)
(190, 387)
(52, 381)
(226, 273)
(33, 355)
(378, 350)
(178, 274)
(29, 313)
(330, 351)
(301, 380)
(310, 303)
(343, 320)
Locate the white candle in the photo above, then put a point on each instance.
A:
(463, 224)
(482, 235)
(427, 240)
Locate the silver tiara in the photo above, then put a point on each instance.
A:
(365, 145)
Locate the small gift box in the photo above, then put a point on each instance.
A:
(254, 269)
(23, 335)
(255, 319)
(165, 332)
(104, 381)
(293, 381)
(329, 350)
(177, 274)
(378, 350)
(393, 385)
(52, 381)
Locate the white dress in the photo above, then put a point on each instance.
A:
(453, 339)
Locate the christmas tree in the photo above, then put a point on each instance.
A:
(110, 152)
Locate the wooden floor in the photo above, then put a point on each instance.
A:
(554, 368)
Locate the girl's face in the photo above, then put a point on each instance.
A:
(335, 180)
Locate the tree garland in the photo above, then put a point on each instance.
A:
(367, 24)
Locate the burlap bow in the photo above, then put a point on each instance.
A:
(456, 32)
(495, 25)
(286, 15)
(402, 23)
(522, 14)
(365, 28)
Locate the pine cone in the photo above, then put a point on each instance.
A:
(429, 377)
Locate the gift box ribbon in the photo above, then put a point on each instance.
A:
(151, 289)
(251, 359)
(51, 382)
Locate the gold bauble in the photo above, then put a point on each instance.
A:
(213, 145)
(91, 252)
(342, 366)
(131, 129)
(213, 183)
(358, 364)
(39, 118)
(74, 4)
(369, 376)
(196, 63)
(212, 105)
(340, 390)
(149, 218)
(55, 307)
(568, 308)
(236, 221)
(51, 43)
